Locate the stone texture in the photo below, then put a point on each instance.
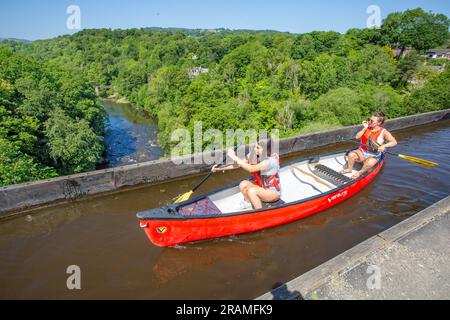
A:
(411, 261)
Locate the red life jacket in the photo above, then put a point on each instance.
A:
(267, 182)
(375, 136)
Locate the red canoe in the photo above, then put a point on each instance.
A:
(308, 186)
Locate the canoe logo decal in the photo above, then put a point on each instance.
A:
(337, 196)
(161, 230)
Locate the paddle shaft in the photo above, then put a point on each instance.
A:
(314, 177)
(365, 145)
(209, 174)
(422, 162)
(201, 182)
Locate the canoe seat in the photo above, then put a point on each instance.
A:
(330, 175)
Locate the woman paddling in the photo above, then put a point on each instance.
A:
(373, 134)
(266, 186)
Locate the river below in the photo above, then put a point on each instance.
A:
(130, 135)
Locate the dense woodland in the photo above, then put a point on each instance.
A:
(52, 122)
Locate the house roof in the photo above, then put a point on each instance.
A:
(439, 51)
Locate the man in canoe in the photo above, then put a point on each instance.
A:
(266, 186)
(374, 135)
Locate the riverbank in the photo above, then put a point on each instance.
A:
(408, 261)
(116, 99)
(130, 135)
(17, 198)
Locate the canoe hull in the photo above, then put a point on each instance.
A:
(170, 232)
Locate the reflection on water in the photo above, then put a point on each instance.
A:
(103, 237)
(130, 136)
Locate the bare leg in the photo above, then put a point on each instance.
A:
(244, 186)
(351, 158)
(258, 194)
(368, 164)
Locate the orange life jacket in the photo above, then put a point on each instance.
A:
(375, 136)
(267, 182)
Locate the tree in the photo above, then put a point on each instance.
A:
(17, 167)
(318, 76)
(415, 28)
(342, 104)
(248, 61)
(407, 68)
(372, 98)
(309, 45)
(372, 64)
(432, 96)
(288, 76)
(73, 145)
(286, 117)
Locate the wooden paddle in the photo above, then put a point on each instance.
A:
(188, 194)
(420, 161)
(314, 177)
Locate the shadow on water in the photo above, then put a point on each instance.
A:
(102, 236)
(280, 291)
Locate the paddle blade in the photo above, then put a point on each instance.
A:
(422, 162)
(184, 197)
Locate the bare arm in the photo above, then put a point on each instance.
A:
(361, 133)
(225, 168)
(391, 141)
(251, 168)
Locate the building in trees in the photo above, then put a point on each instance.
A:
(438, 54)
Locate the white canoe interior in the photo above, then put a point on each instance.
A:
(295, 185)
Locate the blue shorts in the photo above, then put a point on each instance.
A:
(368, 154)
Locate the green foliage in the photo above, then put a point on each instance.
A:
(372, 64)
(308, 46)
(415, 28)
(74, 146)
(30, 92)
(407, 68)
(18, 167)
(271, 80)
(438, 62)
(380, 98)
(342, 104)
(434, 95)
(345, 106)
(318, 76)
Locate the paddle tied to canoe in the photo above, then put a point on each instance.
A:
(308, 186)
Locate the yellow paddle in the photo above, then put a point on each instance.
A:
(420, 161)
(187, 195)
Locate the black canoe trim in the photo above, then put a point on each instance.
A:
(170, 212)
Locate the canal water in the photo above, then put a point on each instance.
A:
(130, 135)
(102, 236)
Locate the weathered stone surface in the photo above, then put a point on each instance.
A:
(412, 261)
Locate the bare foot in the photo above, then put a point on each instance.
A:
(356, 175)
(345, 171)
